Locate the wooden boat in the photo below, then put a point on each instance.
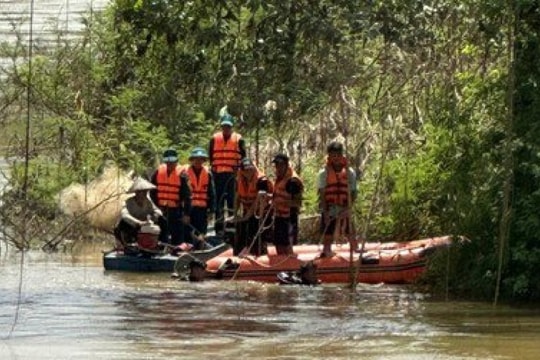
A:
(144, 262)
(392, 263)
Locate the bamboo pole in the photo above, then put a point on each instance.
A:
(384, 152)
(508, 162)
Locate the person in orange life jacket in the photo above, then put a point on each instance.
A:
(137, 211)
(173, 196)
(253, 196)
(225, 150)
(337, 191)
(202, 193)
(287, 200)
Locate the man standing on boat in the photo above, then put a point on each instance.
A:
(203, 195)
(226, 148)
(337, 192)
(287, 201)
(137, 211)
(254, 190)
(173, 196)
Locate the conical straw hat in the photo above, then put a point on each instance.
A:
(141, 184)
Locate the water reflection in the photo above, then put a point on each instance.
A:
(71, 308)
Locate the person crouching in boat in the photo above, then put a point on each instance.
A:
(337, 192)
(136, 212)
(253, 191)
(203, 195)
(286, 201)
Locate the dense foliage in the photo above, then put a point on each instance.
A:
(436, 102)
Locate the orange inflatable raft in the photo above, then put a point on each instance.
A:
(392, 263)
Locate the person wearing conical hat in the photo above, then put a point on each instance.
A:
(136, 212)
(203, 195)
(225, 150)
(173, 196)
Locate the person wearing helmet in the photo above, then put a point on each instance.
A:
(173, 196)
(136, 212)
(203, 196)
(225, 150)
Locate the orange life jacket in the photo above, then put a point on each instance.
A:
(247, 191)
(199, 187)
(226, 154)
(281, 199)
(336, 191)
(168, 186)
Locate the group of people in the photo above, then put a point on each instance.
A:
(182, 199)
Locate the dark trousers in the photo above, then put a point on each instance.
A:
(172, 228)
(286, 229)
(125, 233)
(225, 184)
(245, 234)
(199, 219)
(198, 222)
(283, 231)
(294, 225)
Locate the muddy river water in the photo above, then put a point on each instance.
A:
(65, 306)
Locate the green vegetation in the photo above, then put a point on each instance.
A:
(436, 102)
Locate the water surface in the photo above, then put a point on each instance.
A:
(71, 308)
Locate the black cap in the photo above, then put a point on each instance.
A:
(170, 155)
(335, 147)
(281, 158)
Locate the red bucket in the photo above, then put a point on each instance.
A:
(147, 241)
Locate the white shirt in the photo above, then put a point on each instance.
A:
(134, 213)
(321, 185)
